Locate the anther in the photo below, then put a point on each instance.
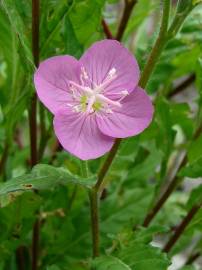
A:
(112, 72)
(84, 73)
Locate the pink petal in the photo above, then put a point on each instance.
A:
(132, 118)
(80, 135)
(104, 55)
(51, 81)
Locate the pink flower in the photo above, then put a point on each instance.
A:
(94, 100)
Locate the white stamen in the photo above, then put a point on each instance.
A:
(75, 94)
(77, 108)
(84, 73)
(112, 72)
(86, 90)
(124, 93)
(108, 110)
(108, 101)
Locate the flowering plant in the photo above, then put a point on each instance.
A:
(100, 135)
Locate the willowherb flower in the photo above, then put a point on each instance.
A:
(95, 99)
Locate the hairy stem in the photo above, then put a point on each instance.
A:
(94, 213)
(158, 46)
(128, 8)
(180, 229)
(94, 206)
(105, 167)
(33, 123)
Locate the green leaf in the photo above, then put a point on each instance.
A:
(184, 7)
(52, 18)
(142, 11)
(140, 257)
(53, 267)
(188, 267)
(195, 150)
(72, 46)
(16, 107)
(85, 25)
(109, 263)
(193, 170)
(18, 27)
(199, 76)
(195, 197)
(195, 2)
(181, 116)
(146, 235)
(42, 177)
(163, 116)
(127, 209)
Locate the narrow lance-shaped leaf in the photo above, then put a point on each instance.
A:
(18, 27)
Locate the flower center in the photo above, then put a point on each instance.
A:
(92, 99)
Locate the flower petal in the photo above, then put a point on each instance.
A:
(104, 55)
(51, 81)
(132, 118)
(79, 134)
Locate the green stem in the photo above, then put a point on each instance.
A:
(153, 58)
(158, 46)
(94, 193)
(182, 11)
(94, 206)
(94, 211)
(84, 169)
(105, 167)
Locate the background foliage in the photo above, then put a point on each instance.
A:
(55, 192)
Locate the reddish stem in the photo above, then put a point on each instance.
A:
(128, 8)
(4, 158)
(35, 244)
(33, 123)
(182, 86)
(193, 258)
(171, 187)
(180, 229)
(107, 30)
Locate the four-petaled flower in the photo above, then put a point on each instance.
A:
(95, 99)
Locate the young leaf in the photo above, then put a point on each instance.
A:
(109, 263)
